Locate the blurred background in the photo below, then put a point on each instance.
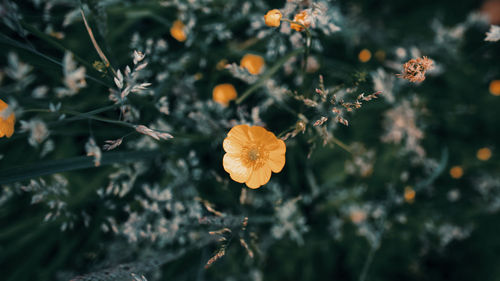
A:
(409, 190)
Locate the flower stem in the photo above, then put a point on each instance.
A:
(341, 144)
(85, 115)
(308, 42)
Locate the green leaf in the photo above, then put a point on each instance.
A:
(44, 168)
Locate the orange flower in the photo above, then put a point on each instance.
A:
(365, 55)
(251, 154)
(456, 172)
(224, 93)
(273, 18)
(495, 87)
(7, 120)
(409, 194)
(177, 31)
(302, 18)
(483, 154)
(253, 63)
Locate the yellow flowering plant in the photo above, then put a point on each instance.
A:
(233, 140)
(252, 153)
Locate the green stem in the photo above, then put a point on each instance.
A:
(308, 42)
(341, 144)
(44, 168)
(52, 42)
(267, 75)
(84, 115)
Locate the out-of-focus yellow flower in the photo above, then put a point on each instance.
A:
(251, 154)
(409, 194)
(224, 93)
(253, 63)
(302, 18)
(177, 31)
(456, 172)
(273, 18)
(495, 87)
(365, 55)
(484, 154)
(7, 120)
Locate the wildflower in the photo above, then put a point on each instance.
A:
(38, 130)
(302, 18)
(251, 154)
(484, 154)
(414, 70)
(365, 55)
(456, 172)
(252, 63)
(7, 120)
(93, 150)
(74, 77)
(494, 34)
(495, 87)
(224, 93)
(409, 194)
(177, 31)
(273, 18)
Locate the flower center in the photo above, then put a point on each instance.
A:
(253, 154)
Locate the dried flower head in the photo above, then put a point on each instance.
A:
(112, 144)
(7, 120)
(153, 133)
(253, 63)
(273, 18)
(414, 69)
(224, 93)
(302, 18)
(177, 31)
(251, 154)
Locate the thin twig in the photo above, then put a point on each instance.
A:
(96, 46)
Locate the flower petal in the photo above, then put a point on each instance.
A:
(239, 133)
(259, 134)
(276, 162)
(277, 155)
(233, 145)
(3, 105)
(259, 177)
(277, 146)
(234, 166)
